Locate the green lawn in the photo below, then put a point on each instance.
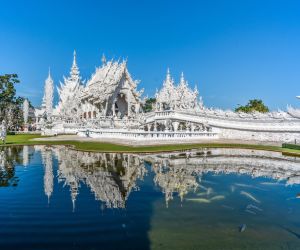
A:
(25, 139)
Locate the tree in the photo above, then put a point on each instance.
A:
(252, 106)
(10, 105)
(148, 106)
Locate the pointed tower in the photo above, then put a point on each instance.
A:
(48, 172)
(74, 73)
(169, 81)
(167, 96)
(103, 59)
(25, 110)
(69, 92)
(48, 95)
(183, 84)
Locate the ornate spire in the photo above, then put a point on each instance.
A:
(103, 59)
(25, 110)
(168, 80)
(182, 81)
(48, 173)
(196, 89)
(48, 95)
(74, 73)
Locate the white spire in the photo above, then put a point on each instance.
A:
(25, 110)
(196, 89)
(48, 95)
(182, 81)
(74, 73)
(168, 80)
(48, 173)
(103, 59)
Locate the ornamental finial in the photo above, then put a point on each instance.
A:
(49, 75)
(168, 74)
(74, 58)
(103, 59)
(182, 78)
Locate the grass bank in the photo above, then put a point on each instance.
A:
(26, 139)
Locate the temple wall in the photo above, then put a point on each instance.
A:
(278, 136)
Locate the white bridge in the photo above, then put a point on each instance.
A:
(169, 125)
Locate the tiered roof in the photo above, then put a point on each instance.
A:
(106, 79)
(177, 97)
(70, 91)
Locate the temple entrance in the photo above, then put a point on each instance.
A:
(121, 106)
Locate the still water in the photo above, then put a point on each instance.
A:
(59, 198)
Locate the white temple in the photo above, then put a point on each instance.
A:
(109, 105)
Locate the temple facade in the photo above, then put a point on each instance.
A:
(110, 106)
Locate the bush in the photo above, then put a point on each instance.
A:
(291, 146)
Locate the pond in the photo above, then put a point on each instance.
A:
(60, 198)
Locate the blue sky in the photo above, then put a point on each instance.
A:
(233, 50)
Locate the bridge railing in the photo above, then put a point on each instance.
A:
(140, 134)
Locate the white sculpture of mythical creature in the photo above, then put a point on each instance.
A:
(3, 131)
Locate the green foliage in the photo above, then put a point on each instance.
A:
(7, 88)
(148, 107)
(291, 146)
(252, 106)
(11, 106)
(7, 171)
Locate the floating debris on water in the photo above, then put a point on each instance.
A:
(242, 228)
(199, 200)
(201, 186)
(218, 198)
(250, 196)
(248, 186)
(250, 212)
(201, 194)
(250, 206)
(291, 232)
(272, 183)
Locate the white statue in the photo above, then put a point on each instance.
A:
(3, 132)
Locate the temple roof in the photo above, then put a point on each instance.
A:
(180, 96)
(107, 79)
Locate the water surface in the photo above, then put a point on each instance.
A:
(59, 198)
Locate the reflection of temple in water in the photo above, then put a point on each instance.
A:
(25, 155)
(46, 153)
(113, 176)
(177, 172)
(173, 178)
